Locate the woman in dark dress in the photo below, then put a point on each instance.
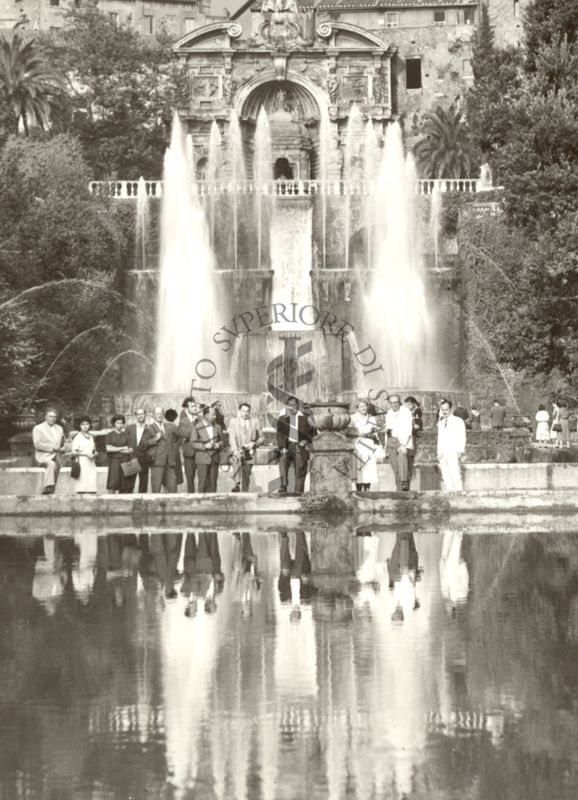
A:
(118, 451)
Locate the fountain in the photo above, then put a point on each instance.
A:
(262, 172)
(435, 221)
(352, 166)
(186, 299)
(142, 223)
(325, 153)
(213, 172)
(235, 161)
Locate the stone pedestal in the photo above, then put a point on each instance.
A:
(331, 460)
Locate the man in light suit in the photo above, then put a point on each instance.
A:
(163, 453)
(451, 447)
(48, 438)
(140, 439)
(207, 442)
(294, 436)
(244, 439)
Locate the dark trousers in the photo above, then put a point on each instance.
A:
(399, 463)
(143, 481)
(208, 474)
(299, 457)
(190, 472)
(163, 476)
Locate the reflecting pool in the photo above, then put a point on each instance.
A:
(318, 664)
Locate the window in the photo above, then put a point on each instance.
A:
(189, 24)
(470, 16)
(516, 8)
(392, 19)
(413, 73)
(148, 24)
(439, 17)
(113, 16)
(54, 2)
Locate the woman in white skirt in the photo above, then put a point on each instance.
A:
(84, 449)
(542, 424)
(366, 447)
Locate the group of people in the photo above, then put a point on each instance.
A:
(172, 449)
(553, 428)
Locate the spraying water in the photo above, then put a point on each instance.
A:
(236, 163)
(325, 152)
(213, 173)
(187, 303)
(370, 163)
(435, 221)
(262, 173)
(352, 167)
(142, 220)
(398, 321)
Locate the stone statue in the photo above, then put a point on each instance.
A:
(333, 89)
(281, 25)
(229, 87)
(282, 102)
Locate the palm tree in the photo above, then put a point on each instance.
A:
(30, 89)
(444, 152)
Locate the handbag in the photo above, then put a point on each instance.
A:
(557, 428)
(131, 467)
(75, 469)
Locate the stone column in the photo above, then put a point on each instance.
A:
(331, 462)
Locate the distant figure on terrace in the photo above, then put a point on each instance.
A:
(565, 425)
(207, 442)
(84, 448)
(451, 447)
(48, 439)
(497, 416)
(294, 436)
(556, 428)
(244, 439)
(399, 428)
(366, 444)
(542, 425)
(476, 419)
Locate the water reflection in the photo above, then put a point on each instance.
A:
(321, 663)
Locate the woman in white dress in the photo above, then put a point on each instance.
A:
(84, 448)
(366, 447)
(542, 424)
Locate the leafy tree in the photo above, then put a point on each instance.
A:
(122, 90)
(549, 22)
(445, 150)
(30, 88)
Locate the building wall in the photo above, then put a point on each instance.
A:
(176, 16)
(506, 18)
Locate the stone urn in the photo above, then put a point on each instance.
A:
(24, 421)
(330, 416)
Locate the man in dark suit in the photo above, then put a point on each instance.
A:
(140, 439)
(207, 442)
(189, 416)
(294, 435)
(163, 455)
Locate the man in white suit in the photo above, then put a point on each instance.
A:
(244, 438)
(451, 447)
(48, 438)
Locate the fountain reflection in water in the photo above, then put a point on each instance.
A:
(399, 324)
(142, 220)
(262, 173)
(187, 302)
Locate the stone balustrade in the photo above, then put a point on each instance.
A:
(127, 190)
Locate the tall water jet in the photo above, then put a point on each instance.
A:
(213, 171)
(352, 168)
(370, 164)
(262, 174)
(435, 220)
(325, 153)
(398, 319)
(142, 222)
(236, 165)
(187, 302)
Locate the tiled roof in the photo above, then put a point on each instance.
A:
(371, 4)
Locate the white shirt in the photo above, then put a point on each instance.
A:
(293, 427)
(210, 434)
(451, 436)
(139, 431)
(400, 423)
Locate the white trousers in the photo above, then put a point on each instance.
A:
(451, 472)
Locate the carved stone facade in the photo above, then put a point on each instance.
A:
(288, 63)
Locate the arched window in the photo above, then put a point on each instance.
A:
(282, 170)
(202, 169)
